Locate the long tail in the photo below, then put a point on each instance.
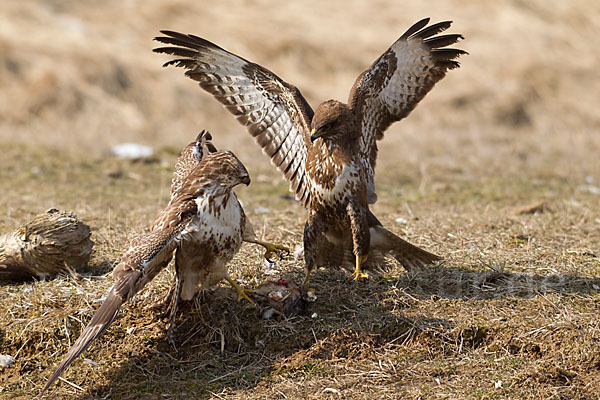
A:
(384, 244)
(127, 283)
(410, 256)
(101, 320)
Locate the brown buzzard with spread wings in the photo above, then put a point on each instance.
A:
(329, 155)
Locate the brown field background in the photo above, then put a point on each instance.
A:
(517, 124)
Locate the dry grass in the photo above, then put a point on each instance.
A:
(511, 314)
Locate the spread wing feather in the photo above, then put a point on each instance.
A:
(274, 112)
(399, 79)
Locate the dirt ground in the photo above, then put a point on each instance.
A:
(497, 170)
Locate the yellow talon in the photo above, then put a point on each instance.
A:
(241, 292)
(271, 249)
(358, 275)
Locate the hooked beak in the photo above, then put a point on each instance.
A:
(314, 135)
(246, 180)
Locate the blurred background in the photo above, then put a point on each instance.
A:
(81, 76)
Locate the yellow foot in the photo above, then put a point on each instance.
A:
(358, 276)
(305, 288)
(241, 292)
(273, 249)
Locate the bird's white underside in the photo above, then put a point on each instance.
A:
(339, 192)
(209, 227)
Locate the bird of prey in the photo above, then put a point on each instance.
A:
(190, 157)
(190, 256)
(203, 224)
(328, 155)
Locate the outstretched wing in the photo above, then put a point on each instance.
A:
(273, 111)
(399, 79)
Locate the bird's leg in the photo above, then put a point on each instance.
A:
(314, 230)
(241, 292)
(163, 307)
(305, 287)
(358, 274)
(361, 238)
(249, 236)
(271, 248)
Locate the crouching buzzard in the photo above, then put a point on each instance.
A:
(191, 255)
(204, 224)
(328, 156)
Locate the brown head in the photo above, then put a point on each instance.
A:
(332, 120)
(225, 169)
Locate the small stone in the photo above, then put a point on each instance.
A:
(131, 151)
(589, 188)
(6, 360)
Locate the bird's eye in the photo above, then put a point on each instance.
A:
(326, 127)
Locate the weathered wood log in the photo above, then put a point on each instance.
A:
(50, 243)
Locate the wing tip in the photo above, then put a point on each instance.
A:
(417, 26)
(188, 40)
